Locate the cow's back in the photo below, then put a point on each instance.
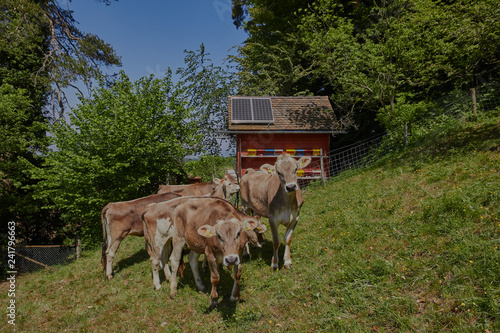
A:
(186, 190)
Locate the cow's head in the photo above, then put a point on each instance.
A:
(228, 185)
(286, 168)
(255, 236)
(228, 235)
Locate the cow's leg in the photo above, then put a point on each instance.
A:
(246, 252)
(155, 265)
(287, 258)
(276, 244)
(114, 243)
(175, 259)
(215, 278)
(193, 261)
(235, 294)
(165, 255)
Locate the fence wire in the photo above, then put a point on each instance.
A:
(347, 161)
(33, 258)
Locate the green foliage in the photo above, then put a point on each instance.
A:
(208, 167)
(388, 58)
(270, 61)
(46, 33)
(23, 121)
(403, 112)
(206, 91)
(120, 145)
(41, 53)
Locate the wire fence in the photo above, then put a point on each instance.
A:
(349, 160)
(33, 258)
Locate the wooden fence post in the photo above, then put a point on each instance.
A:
(322, 167)
(406, 134)
(474, 103)
(78, 248)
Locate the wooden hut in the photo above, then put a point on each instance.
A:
(265, 127)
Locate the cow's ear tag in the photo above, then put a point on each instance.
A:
(249, 224)
(303, 162)
(261, 228)
(206, 231)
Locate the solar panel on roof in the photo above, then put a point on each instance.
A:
(241, 109)
(251, 110)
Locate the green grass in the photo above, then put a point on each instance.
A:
(410, 245)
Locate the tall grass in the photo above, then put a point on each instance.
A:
(410, 245)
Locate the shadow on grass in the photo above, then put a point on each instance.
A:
(139, 256)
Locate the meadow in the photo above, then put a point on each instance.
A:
(408, 245)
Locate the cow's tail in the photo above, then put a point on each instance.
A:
(104, 221)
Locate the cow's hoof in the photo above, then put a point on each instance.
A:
(157, 287)
(201, 288)
(287, 266)
(213, 304)
(274, 268)
(234, 299)
(172, 295)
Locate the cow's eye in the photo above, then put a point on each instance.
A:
(238, 234)
(220, 237)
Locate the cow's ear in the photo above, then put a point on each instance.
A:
(217, 181)
(303, 162)
(249, 224)
(268, 168)
(206, 231)
(261, 228)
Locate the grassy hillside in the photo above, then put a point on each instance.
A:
(412, 244)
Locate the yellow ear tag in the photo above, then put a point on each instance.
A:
(259, 228)
(209, 234)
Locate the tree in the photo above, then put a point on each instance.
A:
(270, 61)
(119, 145)
(41, 52)
(206, 91)
(208, 167)
(406, 52)
(23, 122)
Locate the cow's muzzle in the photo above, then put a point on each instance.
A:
(232, 259)
(291, 187)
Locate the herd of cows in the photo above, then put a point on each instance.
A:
(200, 217)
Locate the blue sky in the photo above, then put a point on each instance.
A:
(151, 35)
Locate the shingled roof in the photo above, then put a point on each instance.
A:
(305, 113)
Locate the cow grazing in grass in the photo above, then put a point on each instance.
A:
(209, 226)
(120, 219)
(278, 197)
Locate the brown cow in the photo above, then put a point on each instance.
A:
(278, 197)
(196, 189)
(123, 218)
(209, 226)
(225, 188)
